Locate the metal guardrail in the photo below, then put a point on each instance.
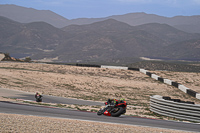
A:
(179, 110)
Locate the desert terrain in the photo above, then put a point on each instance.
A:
(97, 84)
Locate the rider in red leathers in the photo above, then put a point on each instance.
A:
(115, 102)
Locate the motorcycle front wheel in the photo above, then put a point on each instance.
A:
(99, 112)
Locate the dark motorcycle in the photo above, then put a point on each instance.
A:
(111, 110)
(38, 98)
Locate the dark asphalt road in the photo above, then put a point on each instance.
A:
(47, 99)
(16, 108)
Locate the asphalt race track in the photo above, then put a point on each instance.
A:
(46, 99)
(45, 111)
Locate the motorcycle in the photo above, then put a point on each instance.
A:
(38, 98)
(111, 110)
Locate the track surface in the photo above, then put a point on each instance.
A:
(47, 99)
(14, 108)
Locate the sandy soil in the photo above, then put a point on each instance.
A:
(95, 84)
(32, 124)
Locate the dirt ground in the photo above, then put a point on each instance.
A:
(32, 124)
(97, 84)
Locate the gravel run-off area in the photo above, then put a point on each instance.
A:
(33, 124)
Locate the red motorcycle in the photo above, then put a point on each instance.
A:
(113, 110)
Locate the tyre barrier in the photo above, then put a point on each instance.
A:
(177, 100)
(175, 108)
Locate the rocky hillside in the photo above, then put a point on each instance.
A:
(103, 41)
(7, 57)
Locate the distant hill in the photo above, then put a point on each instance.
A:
(104, 41)
(28, 39)
(186, 50)
(28, 15)
(168, 33)
(189, 24)
(8, 28)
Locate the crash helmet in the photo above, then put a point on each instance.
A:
(122, 99)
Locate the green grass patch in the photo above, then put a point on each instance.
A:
(94, 110)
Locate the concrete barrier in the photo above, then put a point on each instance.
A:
(143, 71)
(155, 76)
(114, 67)
(167, 81)
(198, 96)
(183, 88)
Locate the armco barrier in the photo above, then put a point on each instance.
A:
(179, 110)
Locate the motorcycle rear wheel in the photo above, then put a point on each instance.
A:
(39, 100)
(117, 113)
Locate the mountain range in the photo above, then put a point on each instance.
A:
(20, 14)
(104, 40)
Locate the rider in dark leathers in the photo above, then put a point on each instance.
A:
(37, 93)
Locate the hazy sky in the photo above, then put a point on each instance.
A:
(102, 8)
